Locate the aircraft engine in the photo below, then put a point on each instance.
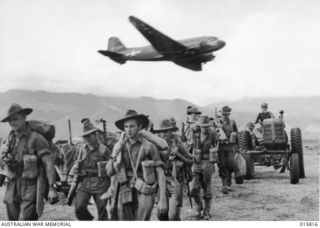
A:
(207, 57)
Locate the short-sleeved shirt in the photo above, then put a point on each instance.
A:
(229, 127)
(209, 141)
(181, 149)
(27, 142)
(149, 152)
(91, 183)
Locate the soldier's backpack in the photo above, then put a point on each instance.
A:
(48, 131)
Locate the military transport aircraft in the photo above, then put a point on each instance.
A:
(189, 53)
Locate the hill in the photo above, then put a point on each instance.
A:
(57, 108)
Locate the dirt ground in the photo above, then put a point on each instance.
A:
(267, 197)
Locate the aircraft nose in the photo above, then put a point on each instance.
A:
(220, 44)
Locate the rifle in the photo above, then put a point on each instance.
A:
(187, 182)
(114, 205)
(104, 123)
(76, 180)
(8, 164)
(70, 135)
(183, 133)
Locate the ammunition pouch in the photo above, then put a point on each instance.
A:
(213, 155)
(197, 156)
(126, 194)
(148, 171)
(144, 188)
(102, 171)
(30, 166)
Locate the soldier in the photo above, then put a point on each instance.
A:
(193, 115)
(27, 162)
(254, 141)
(136, 163)
(204, 147)
(173, 169)
(250, 127)
(90, 165)
(173, 121)
(227, 149)
(265, 114)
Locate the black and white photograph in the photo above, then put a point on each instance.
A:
(159, 110)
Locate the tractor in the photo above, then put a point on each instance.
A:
(275, 146)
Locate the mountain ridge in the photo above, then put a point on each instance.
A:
(58, 107)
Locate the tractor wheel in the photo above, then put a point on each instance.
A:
(294, 168)
(296, 147)
(245, 141)
(249, 165)
(245, 145)
(239, 180)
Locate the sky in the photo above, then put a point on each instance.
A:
(272, 48)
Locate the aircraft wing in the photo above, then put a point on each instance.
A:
(195, 66)
(161, 42)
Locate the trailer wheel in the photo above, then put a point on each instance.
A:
(245, 145)
(294, 168)
(296, 147)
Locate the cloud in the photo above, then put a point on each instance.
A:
(272, 48)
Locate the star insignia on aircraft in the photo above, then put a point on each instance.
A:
(133, 53)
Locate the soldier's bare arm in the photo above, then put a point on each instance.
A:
(185, 155)
(51, 177)
(163, 206)
(43, 151)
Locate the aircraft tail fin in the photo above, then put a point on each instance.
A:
(114, 56)
(115, 45)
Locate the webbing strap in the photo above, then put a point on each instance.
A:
(135, 166)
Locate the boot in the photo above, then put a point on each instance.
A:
(198, 206)
(224, 186)
(229, 182)
(206, 212)
(178, 218)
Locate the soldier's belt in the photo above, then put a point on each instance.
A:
(144, 188)
(224, 143)
(91, 173)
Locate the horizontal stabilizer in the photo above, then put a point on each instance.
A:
(113, 55)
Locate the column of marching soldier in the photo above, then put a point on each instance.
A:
(144, 167)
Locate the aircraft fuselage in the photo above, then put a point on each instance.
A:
(204, 45)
